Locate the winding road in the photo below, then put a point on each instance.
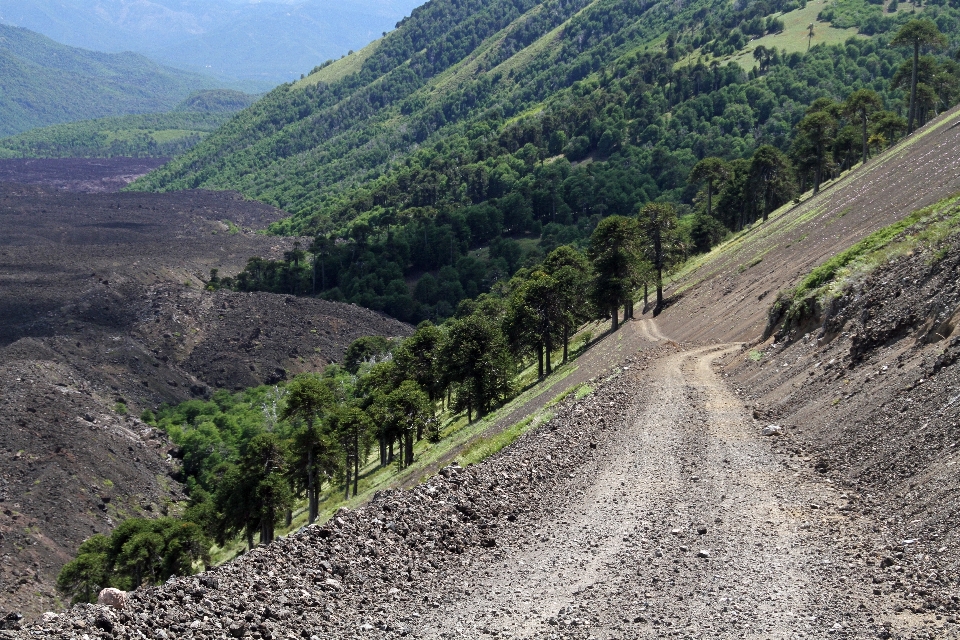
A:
(692, 526)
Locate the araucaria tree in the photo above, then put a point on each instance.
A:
(478, 360)
(916, 34)
(861, 104)
(819, 129)
(770, 178)
(314, 457)
(571, 272)
(615, 253)
(353, 430)
(658, 226)
(712, 173)
(254, 493)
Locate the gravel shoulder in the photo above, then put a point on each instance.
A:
(687, 525)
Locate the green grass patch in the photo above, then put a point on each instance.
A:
(926, 228)
(341, 68)
(793, 38)
(483, 448)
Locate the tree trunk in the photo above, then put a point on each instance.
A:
(356, 468)
(408, 454)
(864, 115)
(311, 486)
(659, 289)
(249, 532)
(566, 341)
(383, 450)
(288, 518)
(818, 172)
(766, 207)
(539, 360)
(346, 485)
(913, 86)
(645, 297)
(709, 197)
(264, 539)
(548, 348)
(614, 317)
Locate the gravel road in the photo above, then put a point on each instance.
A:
(652, 507)
(690, 526)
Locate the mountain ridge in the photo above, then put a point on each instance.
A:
(48, 83)
(261, 44)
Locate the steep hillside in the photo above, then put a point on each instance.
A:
(806, 481)
(726, 295)
(475, 124)
(470, 86)
(45, 82)
(262, 43)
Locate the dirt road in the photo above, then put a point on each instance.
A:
(691, 526)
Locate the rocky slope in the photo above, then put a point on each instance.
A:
(653, 507)
(103, 314)
(870, 392)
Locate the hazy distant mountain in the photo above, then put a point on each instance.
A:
(43, 82)
(268, 42)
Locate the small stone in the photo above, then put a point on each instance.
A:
(772, 430)
(703, 553)
(702, 529)
(333, 583)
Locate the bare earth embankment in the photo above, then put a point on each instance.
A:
(102, 302)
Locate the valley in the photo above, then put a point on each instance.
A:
(546, 319)
(103, 314)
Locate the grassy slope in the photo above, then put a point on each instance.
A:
(45, 82)
(341, 68)
(794, 36)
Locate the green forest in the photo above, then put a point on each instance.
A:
(442, 163)
(247, 459)
(156, 135)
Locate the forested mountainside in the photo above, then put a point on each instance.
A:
(511, 127)
(154, 135)
(45, 82)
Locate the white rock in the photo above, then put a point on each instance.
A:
(772, 430)
(111, 597)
